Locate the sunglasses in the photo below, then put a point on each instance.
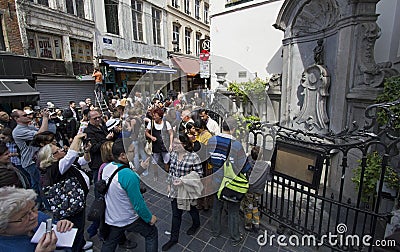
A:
(97, 118)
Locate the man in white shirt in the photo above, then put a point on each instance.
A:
(212, 125)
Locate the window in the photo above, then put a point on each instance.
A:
(75, 7)
(43, 2)
(137, 13)
(44, 46)
(188, 34)
(80, 8)
(81, 51)
(111, 10)
(175, 32)
(2, 42)
(205, 13)
(175, 3)
(197, 9)
(70, 6)
(198, 37)
(156, 16)
(187, 6)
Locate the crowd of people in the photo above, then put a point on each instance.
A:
(44, 147)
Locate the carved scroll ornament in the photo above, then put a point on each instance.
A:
(313, 114)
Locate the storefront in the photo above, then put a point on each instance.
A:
(16, 93)
(123, 77)
(189, 69)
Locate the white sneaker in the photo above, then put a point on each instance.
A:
(88, 245)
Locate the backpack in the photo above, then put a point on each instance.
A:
(98, 207)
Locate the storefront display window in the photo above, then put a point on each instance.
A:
(44, 46)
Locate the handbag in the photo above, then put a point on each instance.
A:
(66, 198)
(98, 206)
(148, 148)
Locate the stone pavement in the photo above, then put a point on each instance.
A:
(202, 241)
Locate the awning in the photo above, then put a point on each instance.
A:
(17, 90)
(132, 67)
(190, 66)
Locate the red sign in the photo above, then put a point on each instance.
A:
(204, 55)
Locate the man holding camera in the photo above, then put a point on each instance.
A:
(23, 135)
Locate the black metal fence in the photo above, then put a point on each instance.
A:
(323, 200)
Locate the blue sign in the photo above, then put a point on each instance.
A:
(107, 41)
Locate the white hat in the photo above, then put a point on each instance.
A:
(50, 105)
(28, 112)
(111, 123)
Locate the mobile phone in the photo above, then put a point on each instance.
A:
(49, 225)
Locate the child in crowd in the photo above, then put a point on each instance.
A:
(261, 172)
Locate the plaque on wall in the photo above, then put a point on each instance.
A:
(298, 163)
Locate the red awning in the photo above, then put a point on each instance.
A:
(190, 66)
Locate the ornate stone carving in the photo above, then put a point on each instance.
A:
(319, 52)
(372, 74)
(313, 115)
(274, 84)
(315, 16)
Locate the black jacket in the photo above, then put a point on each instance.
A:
(97, 138)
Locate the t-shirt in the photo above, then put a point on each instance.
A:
(159, 126)
(98, 77)
(23, 135)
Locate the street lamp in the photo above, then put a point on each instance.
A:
(221, 74)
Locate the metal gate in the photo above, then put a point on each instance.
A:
(328, 203)
(62, 90)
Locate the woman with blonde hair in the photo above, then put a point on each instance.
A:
(60, 166)
(20, 218)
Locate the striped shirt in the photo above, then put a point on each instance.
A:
(218, 149)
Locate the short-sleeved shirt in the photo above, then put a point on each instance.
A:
(23, 135)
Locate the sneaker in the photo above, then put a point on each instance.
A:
(238, 242)
(128, 244)
(168, 245)
(192, 230)
(87, 245)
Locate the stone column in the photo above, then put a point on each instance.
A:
(67, 55)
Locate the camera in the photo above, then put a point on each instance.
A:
(86, 140)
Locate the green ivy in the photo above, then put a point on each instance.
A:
(372, 174)
(252, 89)
(391, 92)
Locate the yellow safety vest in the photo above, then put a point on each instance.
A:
(237, 183)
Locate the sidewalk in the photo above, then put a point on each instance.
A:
(160, 205)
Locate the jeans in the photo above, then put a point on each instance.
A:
(139, 153)
(233, 218)
(149, 232)
(34, 175)
(177, 219)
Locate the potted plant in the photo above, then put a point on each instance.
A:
(372, 175)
